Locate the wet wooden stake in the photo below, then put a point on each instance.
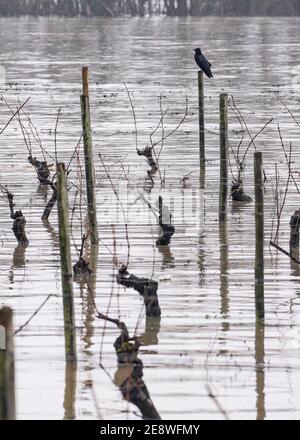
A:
(7, 369)
(294, 238)
(224, 154)
(66, 263)
(259, 235)
(160, 210)
(89, 168)
(294, 230)
(201, 119)
(85, 81)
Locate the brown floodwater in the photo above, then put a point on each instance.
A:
(207, 337)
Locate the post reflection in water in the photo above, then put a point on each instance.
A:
(260, 369)
(224, 268)
(70, 391)
(87, 287)
(202, 176)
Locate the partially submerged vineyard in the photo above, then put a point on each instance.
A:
(72, 185)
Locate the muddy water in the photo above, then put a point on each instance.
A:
(207, 335)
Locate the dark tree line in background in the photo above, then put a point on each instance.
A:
(149, 7)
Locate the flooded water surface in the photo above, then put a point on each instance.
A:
(206, 340)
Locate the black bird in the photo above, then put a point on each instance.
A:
(203, 63)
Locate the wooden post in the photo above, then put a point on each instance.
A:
(224, 154)
(259, 235)
(89, 168)
(85, 81)
(202, 176)
(7, 369)
(66, 263)
(201, 119)
(160, 210)
(294, 238)
(294, 230)
(224, 270)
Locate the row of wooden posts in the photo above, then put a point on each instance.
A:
(7, 398)
(7, 383)
(224, 184)
(63, 220)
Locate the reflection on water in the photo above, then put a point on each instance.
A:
(70, 391)
(19, 260)
(19, 256)
(129, 378)
(53, 233)
(168, 260)
(260, 370)
(224, 275)
(295, 267)
(152, 328)
(207, 331)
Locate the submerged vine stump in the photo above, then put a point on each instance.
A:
(82, 268)
(165, 224)
(259, 235)
(224, 155)
(294, 229)
(66, 263)
(129, 375)
(42, 169)
(51, 202)
(7, 369)
(43, 175)
(201, 119)
(147, 153)
(146, 287)
(19, 222)
(89, 168)
(237, 192)
(126, 348)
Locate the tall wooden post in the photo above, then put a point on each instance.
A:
(89, 164)
(201, 119)
(294, 230)
(66, 263)
(7, 368)
(259, 235)
(224, 154)
(85, 81)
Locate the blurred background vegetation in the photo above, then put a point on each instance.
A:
(111, 8)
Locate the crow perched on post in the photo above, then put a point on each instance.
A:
(203, 63)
